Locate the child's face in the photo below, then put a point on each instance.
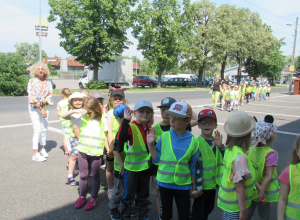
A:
(179, 123)
(77, 103)
(207, 125)
(143, 115)
(164, 115)
(117, 100)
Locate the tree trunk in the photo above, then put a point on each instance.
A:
(159, 73)
(200, 75)
(223, 64)
(96, 67)
(239, 73)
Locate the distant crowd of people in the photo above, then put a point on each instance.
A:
(165, 158)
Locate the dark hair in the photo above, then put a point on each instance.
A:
(90, 103)
(242, 142)
(66, 92)
(295, 158)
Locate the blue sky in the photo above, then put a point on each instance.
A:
(18, 17)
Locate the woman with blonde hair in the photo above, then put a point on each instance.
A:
(40, 94)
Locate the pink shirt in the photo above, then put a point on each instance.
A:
(271, 161)
(285, 177)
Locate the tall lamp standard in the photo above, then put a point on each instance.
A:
(41, 28)
(292, 67)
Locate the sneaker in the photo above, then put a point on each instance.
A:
(67, 154)
(132, 212)
(44, 153)
(114, 214)
(80, 202)
(102, 186)
(91, 204)
(71, 181)
(109, 193)
(38, 157)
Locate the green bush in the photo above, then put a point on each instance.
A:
(13, 79)
(96, 85)
(54, 72)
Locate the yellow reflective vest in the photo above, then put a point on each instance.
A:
(158, 131)
(212, 165)
(137, 158)
(227, 196)
(92, 136)
(171, 170)
(292, 210)
(257, 155)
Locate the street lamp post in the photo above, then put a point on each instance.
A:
(292, 68)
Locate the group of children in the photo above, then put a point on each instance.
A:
(178, 165)
(232, 96)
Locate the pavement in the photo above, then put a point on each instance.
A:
(38, 190)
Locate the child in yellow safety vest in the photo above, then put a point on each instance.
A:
(136, 167)
(238, 95)
(116, 97)
(238, 180)
(74, 115)
(90, 148)
(62, 107)
(209, 167)
(265, 161)
(289, 197)
(176, 154)
(225, 96)
(248, 92)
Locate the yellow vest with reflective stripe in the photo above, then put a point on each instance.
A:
(158, 131)
(212, 165)
(257, 155)
(92, 136)
(115, 123)
(123, 155)
(137, 158)
(63, 105)
(292, 210)
(171, 170)
(227, 196)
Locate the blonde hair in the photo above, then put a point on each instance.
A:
(66, 92)
(295, 158)
(242, 142)
(35, 68)
(90, 103)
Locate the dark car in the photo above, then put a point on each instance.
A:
(176, 81)
(144, 80)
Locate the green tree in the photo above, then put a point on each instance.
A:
(146, 66)
(94, 31)
(30, 52)
(271, 66)
(158, 27)
(197, 45)
(297, 63)
(13, 80)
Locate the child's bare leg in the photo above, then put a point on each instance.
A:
(72, 163)
(65, 145)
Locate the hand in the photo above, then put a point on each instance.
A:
(150, 136)
(122, 170)
(218, 139)
(37, 105)
(127, 114)
(196, 194)
(44, 113)
(110, 154)
(243, 215)
(262, 197)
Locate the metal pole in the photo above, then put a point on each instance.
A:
(293, 61)
(40, 34)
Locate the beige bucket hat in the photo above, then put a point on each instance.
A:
(239, 124)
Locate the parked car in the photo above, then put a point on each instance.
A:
(176, 81)
(194, 82)
(144, 80)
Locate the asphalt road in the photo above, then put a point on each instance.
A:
(34, 190)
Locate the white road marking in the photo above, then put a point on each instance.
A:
(25, 124)
(295, 116)
(273, 105)
(55, 130)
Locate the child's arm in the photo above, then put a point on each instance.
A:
(70, 112)
(58, 112)
(118, 148)
(150, 142)
(194, 120)
(76, 131)
(261, 195)
(267, 180)
(110, 140)
(240, 191)
(281, 205)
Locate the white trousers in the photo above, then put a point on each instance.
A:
(40, 127)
